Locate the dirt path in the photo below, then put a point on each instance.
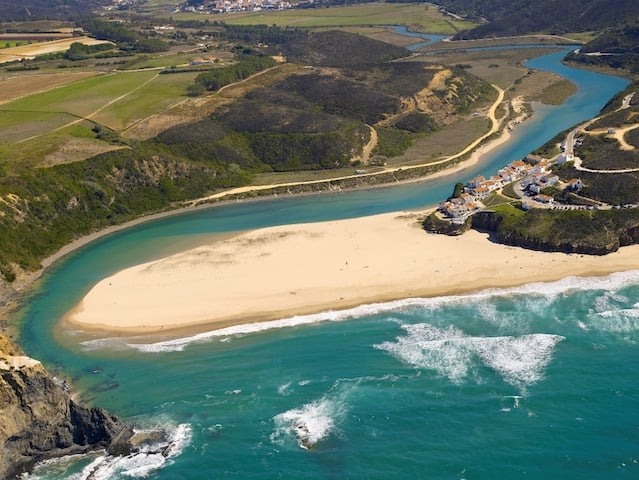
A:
(254, 188)
(619, 136)
(369, 147)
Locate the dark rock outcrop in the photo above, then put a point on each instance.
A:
(434, 224)
(39, 420)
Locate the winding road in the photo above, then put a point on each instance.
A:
(495, 125)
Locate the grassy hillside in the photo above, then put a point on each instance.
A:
(21, 10)
(313, 117)
(340, 49)
(616, 47)
(518, 17)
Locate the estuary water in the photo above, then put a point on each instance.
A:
(534, 382)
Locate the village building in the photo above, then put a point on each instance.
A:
(481, 193)
(507, 175)
(549, 180)
(475, 182)
(519, 166)
(565, 157)
(458, 207)
(535, 188)
(538, 169)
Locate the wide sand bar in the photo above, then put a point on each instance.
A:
(277, 272)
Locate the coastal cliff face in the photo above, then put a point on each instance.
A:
(601, 240)
(39, 420)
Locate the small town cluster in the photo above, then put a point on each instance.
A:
(529, 176)
(230, 6)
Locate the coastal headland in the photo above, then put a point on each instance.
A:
(282, 271)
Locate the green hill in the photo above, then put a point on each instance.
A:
(313, 119)
(518, 17)
(24, 10)
(617, 48)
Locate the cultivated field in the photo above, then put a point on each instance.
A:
(153, 97)
(42, 48)
(69, 144)
(423, 17)
(15, 86)
(115, 99)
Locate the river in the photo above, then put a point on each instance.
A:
(532, 382)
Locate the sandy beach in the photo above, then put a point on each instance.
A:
(281, 271)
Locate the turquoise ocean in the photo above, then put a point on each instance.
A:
(537, 382)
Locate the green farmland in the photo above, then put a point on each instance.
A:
(424, 18)
(116, 100)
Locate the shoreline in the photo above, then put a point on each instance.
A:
(279, 272)
(10, 299)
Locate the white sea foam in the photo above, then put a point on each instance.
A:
(610, 314)
(314, 422)
(519, 360)
(443, 350)
(625, 320)
(310, 423)
(149, 458)
(284, 389)
(549, 290)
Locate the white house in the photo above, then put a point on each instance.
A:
(476, 182)
(565, 157)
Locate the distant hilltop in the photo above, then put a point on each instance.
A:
(23, 10)
(519, 17)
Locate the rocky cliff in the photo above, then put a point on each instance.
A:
(39, 420)
(597, 233)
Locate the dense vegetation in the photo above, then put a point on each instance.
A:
(518, 17)
(620, 48)
(601, 153)
(248, 64)
(43, 209)
(259, 34)
(615, 189)
(315, 118)
(80, 51)
(15, 10)
(579, 231)
(340, 49)
(123, 36)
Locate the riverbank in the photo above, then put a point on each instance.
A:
(475, 152)
(279, 272)
(423, 171)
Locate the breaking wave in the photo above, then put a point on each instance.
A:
(309, 424)
(156, 450)
(519, 360)
(549, 290)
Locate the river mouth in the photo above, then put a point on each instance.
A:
(444, 376)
